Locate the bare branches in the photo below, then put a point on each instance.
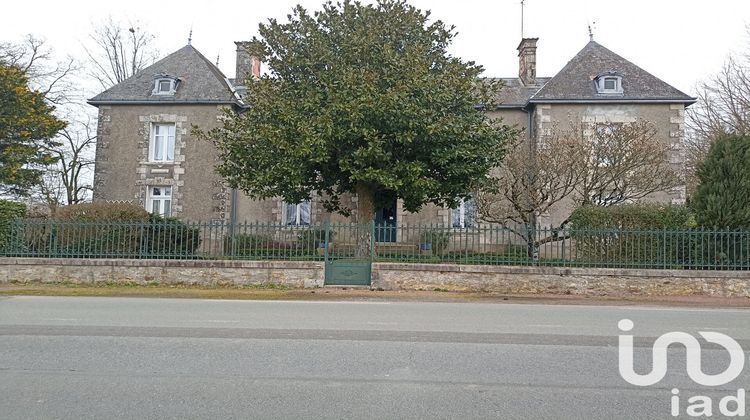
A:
(626, 162)
(51, 78)
(68, 180)
(532, 181)
(723, 108)
(591, 164)
(118, 51)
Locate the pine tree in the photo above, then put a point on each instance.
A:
(27, 125)
(723, 196)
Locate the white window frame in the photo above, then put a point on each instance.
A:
(163, 200)
(157, 86)
(602, 80)
(297, 213)
(161, 145)
(461, 209)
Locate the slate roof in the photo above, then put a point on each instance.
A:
(515, 95)
(575, 82)
(200, 82)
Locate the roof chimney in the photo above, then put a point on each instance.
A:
(527, 61)
(247, 65)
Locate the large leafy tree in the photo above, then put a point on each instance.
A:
(361, 99)
(27, 124)
(723, 195)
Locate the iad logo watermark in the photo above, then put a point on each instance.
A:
(698, 405)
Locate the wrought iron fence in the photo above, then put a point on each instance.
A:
(486, 245)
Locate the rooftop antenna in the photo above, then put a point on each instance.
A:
(190, 36)
(591, 31)
(522, 19)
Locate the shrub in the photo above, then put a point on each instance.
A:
(167, 237)
(635, 234)
(246, 243)
(108, 230)
(437, 237)
(632, 216)
(9, 211)
(101, 211)
(310, 238)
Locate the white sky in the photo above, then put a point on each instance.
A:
(680, 41)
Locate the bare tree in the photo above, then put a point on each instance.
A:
(118, 51)
(68, 181)
(532, 180)
(50, 77)
(627, 163)
(590, 164)
(723, 107)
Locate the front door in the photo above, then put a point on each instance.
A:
(385, 217)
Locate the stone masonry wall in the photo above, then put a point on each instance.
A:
(567, 281)
(387, 276)
(204, 273)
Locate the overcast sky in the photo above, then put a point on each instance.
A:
(680, 41)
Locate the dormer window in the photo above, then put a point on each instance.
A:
(609, 84)
(165, 86)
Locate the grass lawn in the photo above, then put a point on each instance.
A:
(276, 292)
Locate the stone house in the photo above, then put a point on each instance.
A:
(147, 155)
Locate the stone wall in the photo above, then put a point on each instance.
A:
(554, 280)
(204, 273)
(387, 276)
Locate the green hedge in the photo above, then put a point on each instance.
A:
(246, 243)
(9, 211)
(438, 239)
(651, 235)
(637, 234)
(98, 230)
(632, 216)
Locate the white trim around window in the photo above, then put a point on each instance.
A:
(159, 200)
(465, 215)
(299, 214)
(161, 145)
(609, 84)
(164, 86)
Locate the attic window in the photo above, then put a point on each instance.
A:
(165, 86)
(609, 84)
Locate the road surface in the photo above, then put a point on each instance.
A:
(71, 358)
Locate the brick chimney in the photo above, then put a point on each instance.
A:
(527, 61)
(247, 65)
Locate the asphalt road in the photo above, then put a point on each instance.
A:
(72, 358)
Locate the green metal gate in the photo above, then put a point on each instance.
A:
(345, 263)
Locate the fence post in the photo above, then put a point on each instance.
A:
(664, 249)
(327, 239)
(372, 240)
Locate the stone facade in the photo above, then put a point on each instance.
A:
(127, 112)
(124, 172)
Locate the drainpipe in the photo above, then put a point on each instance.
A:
(529, 110)
(233, 209)
(232, 220)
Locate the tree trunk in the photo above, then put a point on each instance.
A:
(365, 218)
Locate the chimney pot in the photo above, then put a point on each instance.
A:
(247, 65)
(527, 61)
